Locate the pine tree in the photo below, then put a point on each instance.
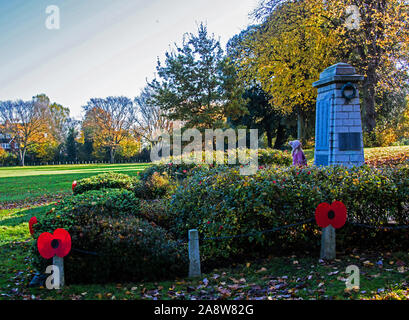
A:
(196, 84)
(71, 144)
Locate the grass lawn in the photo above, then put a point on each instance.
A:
(28, 183)
(370, 153)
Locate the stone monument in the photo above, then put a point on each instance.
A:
(338, 128)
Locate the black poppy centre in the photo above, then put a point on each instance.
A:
(331, 214)
(55, 244)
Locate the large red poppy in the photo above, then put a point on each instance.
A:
(31, 223)
(334, 215)
(58, 243)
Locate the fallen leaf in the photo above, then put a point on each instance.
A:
(261, 270)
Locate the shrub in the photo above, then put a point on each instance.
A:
(7, 158)
(274, 157)
(173, 171)
(109, 223)
(156, 186)
(157, 211)
(223, 203)
(107, 180)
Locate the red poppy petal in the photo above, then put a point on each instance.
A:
(44, 245)
(32, 222)
(321, 215)
(65, 242)
(340, 214)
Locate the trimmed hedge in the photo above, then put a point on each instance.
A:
(266, 157)
(109, 180)
(109, 223)
(222, 203)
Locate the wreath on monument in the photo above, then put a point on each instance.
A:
(348, 86)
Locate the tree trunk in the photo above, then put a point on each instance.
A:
(22, 155)
(299, 127)
(369, 102)
(269, 137)
(280, 137)
(112, 155)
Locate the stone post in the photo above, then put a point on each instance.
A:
(194, 254)
(338, 128)
(59, 263)
(328, 243)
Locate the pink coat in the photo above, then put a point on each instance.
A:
(299, 158)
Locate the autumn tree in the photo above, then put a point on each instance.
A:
(129, 147)
(261, 115)
(110, 121)
(59, 121)
(23, 121)
(298, 39)
(55, 125)
(286, 53)
(150, 119)
(379, 48)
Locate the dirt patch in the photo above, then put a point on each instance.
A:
(39, 201)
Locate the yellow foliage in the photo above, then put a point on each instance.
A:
(386, 137)
(403, 125)
(299, 39)
(129, 147)
(288, 54)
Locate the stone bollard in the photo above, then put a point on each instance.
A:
(59, 263)
(328, 243)
(194, 254)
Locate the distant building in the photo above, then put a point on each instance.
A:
(6, 142)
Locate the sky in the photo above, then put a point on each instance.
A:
(102, 47)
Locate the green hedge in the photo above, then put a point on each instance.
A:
(109, 180)
(110, 223)
(222, 203)
(266, 157)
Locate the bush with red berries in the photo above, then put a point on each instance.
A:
(222, 203)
